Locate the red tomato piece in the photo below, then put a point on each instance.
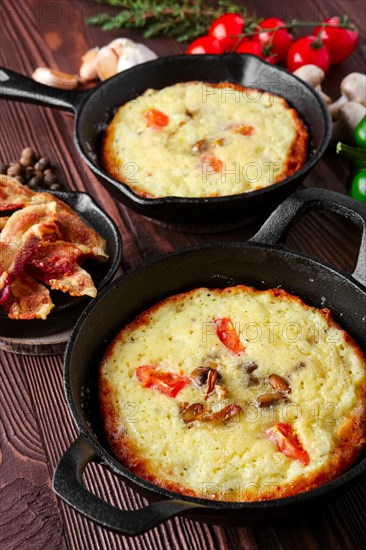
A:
(255, 48)
(224, 27)
(156, 119)
(205, 44)
(226, 332)
(308, 50)
(276, 42)
(215, 163)
(340, 41)
(287, 442)
(167, 383)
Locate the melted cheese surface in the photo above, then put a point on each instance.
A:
(225, 460)
(219, 141)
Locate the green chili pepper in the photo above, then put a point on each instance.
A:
(360, 133)
(358, 156)
(358, 186)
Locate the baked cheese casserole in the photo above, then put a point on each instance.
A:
(234, 395)
(196, 139)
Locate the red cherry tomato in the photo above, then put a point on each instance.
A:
(226, 25)
(167, 383)
(276, 42)
(226, 332)
(205, 44)
(340, 41)
(255, 48)
(287, 442)
(307, 50)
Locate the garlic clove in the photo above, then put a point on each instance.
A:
(54, 78)
(88, 69)
(106, 62)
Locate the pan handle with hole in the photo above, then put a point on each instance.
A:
(292, 209)
(67, 484)
(17, 87)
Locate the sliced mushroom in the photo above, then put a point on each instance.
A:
(196, 411)
(192, 412)
(269, 399)
(278, 382)
(205, 376)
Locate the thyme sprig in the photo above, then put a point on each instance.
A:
(181, 20)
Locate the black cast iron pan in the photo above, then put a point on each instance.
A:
(262, 262)
(94, 108)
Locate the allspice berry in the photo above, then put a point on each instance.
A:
(20, 179)
(49, 177)
(42, 164)
(15, 169)
(34, 183)
(28, 173)
(27, 157)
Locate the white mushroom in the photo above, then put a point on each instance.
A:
(349, 115)
(314, 76)
(54, 78)
(88, 69)
(353, 88)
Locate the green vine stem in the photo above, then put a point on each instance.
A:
(188, 19)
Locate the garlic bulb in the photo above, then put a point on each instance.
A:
(132, 53)
(119, 55)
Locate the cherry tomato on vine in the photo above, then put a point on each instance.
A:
(255, 48)
(226, 25)
(308, 50)
(278, 42)
(205, 44)
(340, 41)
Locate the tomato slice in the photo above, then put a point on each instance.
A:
(287, 442)
(226, 332)
(213, 161)
(156, 119)
(167, 383)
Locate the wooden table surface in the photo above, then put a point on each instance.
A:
(36, 427)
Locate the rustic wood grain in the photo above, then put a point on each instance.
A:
(36, 426)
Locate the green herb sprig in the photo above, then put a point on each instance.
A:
(180, 20)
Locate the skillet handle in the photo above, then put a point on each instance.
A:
(17, 87)
(293, 208)
(67, 484)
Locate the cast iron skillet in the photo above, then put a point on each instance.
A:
(261, 262)
(68, 308)
(94, 109)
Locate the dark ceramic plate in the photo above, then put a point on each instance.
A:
(67, 308)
